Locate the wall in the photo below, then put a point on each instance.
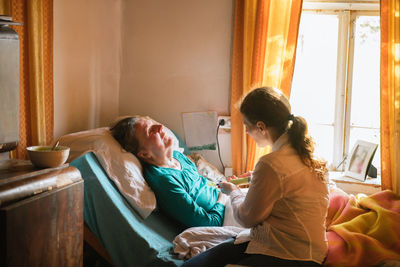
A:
(87, 61)
(157, 58)
(176, 58)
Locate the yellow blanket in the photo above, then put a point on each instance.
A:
(362, 230)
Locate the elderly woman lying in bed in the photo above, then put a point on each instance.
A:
(181, 192)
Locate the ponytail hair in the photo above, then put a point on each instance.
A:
(270, 106)
(304, 145)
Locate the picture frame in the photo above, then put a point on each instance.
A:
(360, 159)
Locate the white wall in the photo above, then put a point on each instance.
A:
(87, 60)
(176, 58)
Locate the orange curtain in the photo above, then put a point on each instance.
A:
(264, 50)
(36, 70)
(390, 94)
(4, 7)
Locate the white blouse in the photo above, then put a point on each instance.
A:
(285, 207)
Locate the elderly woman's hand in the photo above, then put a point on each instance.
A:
(226, 187)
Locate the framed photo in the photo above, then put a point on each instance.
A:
(360, 159)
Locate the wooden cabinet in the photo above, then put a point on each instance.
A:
(41, 215)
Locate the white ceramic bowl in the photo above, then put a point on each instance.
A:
(45, 157)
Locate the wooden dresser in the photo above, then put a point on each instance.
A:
(41, 215)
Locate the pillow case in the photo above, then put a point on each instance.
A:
(123, 168)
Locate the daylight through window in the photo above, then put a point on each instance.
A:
(336, 80)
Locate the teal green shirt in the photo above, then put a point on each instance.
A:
(184, 194)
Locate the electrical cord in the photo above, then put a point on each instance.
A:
(220, 123)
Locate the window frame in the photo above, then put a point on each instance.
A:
(347, 14)
(348, 126)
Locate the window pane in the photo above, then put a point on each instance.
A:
(323, 138)
(365, 97)
(314, 80)
(365, 105)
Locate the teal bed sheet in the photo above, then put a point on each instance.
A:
(129, 239)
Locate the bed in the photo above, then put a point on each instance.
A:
(121, 219)
(363, 231)
(127, 237)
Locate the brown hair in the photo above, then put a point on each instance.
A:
(124, 132)
(270, 106)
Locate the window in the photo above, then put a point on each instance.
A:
(336, 85)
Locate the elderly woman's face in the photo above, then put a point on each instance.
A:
(153, 139)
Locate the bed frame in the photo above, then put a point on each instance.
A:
(92, 240)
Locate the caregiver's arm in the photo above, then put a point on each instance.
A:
(174, 200)
(254, 207)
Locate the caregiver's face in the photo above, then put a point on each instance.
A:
(257, 133)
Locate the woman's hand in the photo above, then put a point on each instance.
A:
(227, 187)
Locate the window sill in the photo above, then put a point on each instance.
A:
(354, 186)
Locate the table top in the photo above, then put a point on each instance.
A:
(12, 170)
(19, 179)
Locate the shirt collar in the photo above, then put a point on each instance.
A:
(280, 142)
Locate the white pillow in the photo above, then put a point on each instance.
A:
(123, 168)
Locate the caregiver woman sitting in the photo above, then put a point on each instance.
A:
(287, 200)
(180, 191)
